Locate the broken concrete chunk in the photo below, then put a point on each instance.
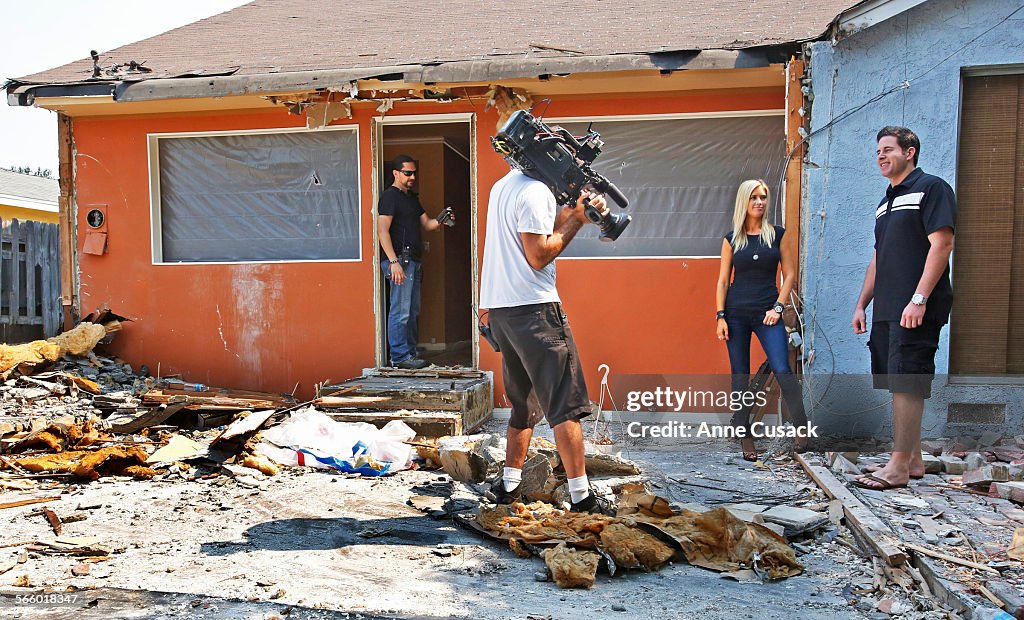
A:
(932, 464)
(462, 456)
(1013, 491)
(907, 501)
(986, 475)
(795, 520)
(536, 472)
(81, 569)
(609, 465)
(953, 465)
(1012, 598)
(975, 460)
(571, 568)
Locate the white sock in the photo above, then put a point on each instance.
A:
(579, 488)
(511, 477)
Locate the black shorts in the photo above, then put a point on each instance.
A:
(903, 360)
(538, 356)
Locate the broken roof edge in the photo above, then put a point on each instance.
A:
(866, 14)
(152, 89)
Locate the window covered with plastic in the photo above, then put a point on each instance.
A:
(681, 176)
(259, 197)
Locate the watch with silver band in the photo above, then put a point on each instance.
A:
(918, 299)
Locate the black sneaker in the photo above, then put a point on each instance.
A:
(499, 495)
(412, 363)
(593, 503)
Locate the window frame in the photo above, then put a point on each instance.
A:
(155, 197)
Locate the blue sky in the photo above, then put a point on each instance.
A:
(41, 34)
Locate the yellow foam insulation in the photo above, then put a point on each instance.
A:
(261, 463)
(90, 465)
(570, 567)
(60, 437)
(78, 341)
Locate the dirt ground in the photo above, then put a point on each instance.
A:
(310, 540)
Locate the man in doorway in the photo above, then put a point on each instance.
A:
(400, 220)
(908, 279)
(525, 233)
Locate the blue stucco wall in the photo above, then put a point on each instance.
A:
(843, 186)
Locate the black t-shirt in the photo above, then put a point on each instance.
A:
(405, 227)
(909, 212)
(754, 273)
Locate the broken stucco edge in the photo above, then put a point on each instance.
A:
(452, 72)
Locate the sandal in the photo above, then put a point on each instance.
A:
(870, 469)
(885, 484)
(750, 455)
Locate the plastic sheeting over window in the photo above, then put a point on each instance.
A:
(681, 176)
(260, 197)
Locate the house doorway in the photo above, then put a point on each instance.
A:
(443, 155)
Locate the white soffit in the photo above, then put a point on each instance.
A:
(869, 13)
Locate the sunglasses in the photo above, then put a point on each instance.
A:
(408, 173)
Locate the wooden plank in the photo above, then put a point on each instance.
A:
(46, 282)
(858, 516)
(66, 203)
(424, 423)
(3, 233)
(55, 280)
(949, 558)
(15, 292)
(26, 502)
(29, 233)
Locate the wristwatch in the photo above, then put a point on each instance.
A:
(720, 314)
(918, 299)
(779, 308)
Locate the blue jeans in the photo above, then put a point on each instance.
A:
(404, 312)
(742, 323)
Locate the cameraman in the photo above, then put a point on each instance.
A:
(525, 233)
(399, 220)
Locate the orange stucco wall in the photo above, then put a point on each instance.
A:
(272, 326)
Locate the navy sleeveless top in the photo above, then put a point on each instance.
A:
(755, 268)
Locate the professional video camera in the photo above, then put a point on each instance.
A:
(562, 161)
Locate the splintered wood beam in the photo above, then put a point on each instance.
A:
(26, 502)
(858, 516)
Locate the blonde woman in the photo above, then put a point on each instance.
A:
(752, 304)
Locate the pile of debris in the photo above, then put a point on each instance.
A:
(962, 522)
(646, 533)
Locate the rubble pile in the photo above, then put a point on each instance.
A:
(964, 516)
(645, 534)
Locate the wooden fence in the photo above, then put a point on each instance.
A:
(30, 276)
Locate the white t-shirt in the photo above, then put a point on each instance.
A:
(518, 204)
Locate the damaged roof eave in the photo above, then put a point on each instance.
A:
(468, 71)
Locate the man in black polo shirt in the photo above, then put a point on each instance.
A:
(400, 218)
(908, 279)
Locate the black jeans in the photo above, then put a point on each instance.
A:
(742, 323)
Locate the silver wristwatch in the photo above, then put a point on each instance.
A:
(918, 299)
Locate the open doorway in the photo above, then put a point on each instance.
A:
(442, 152)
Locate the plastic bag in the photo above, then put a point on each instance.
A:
(311, 438)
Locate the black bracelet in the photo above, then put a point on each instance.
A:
(720, 314)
